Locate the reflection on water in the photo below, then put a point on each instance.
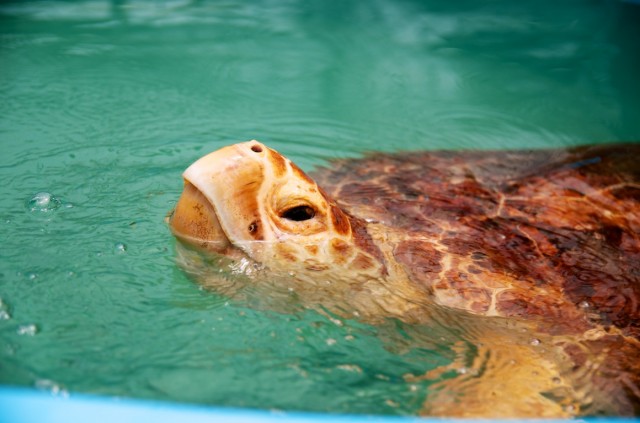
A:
(467, 74)
(105, 103)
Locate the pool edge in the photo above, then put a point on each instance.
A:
(24, 405)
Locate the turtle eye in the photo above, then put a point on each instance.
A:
(298, 213)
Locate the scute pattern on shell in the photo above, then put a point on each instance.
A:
(563, 223)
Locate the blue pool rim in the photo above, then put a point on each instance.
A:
(20, 405)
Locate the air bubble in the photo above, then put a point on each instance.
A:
(120, 248)
(535, 342)
(4, 312)
(4, 315)
(43, 202)
(584, 305)
(27, 330)
(336, 322)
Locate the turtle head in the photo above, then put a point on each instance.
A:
(248, 199)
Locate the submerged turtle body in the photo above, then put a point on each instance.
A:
(549, 239)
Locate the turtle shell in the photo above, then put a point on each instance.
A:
(563, 225)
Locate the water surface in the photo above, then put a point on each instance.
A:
(103, 104)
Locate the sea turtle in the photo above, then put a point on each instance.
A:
(534, 257)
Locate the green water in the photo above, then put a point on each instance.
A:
(103, 104)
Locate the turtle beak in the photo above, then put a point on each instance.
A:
(194, 221)
(219, 202)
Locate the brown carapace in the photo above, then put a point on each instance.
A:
(544, 243)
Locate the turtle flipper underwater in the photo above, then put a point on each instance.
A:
(533, 255)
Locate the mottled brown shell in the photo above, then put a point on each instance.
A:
(563, 221)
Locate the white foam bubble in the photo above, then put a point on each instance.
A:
(43, 202)
(27, 330)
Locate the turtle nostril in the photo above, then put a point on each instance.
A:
(256, 148)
